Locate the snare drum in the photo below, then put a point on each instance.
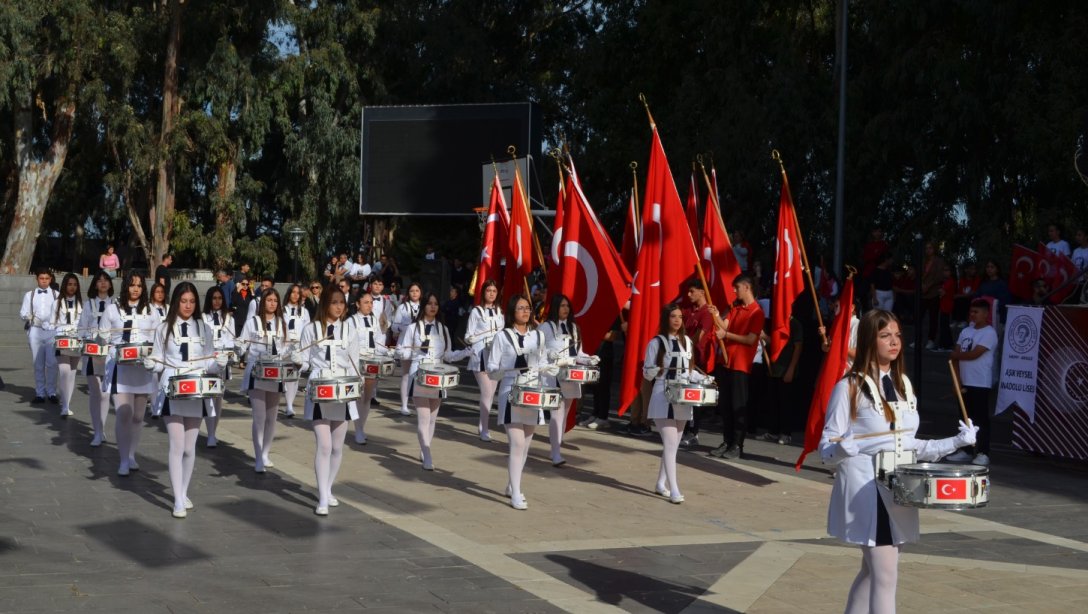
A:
(535, 397)
(579, 375)
(372, 367)
(272, 369)
(941, 486)
(68, 346)
(437, 377)
(689, 393)
(339, 389)
(194, 386)
(133, 352)
(95, 349)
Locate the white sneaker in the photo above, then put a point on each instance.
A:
(519, 503)
(981, 459)
(558, 461)
(404, 411)
(64, 413)
(428, 465)
(960, 456)
(485, 436)
(662, 490)
(259, 467)
(677, 498)
(267, 462)
(509, 490)
(321, 510)
(188, 504)
(596, 424)
(179, 513)
(360, 438)
(334, 502)
(212, 441)
(97, 441)
(123, 469)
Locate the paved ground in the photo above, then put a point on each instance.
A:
(750, 537)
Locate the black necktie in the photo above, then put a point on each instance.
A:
(215, 317)
(490, 312)
(101, 306)
(328, 348)
(68, 314)
(367, 320)
(268, 327)
(521, 363)
(185, 343)
(127, 335)
(563, 328)
(889, 389)
(673, 364)
(426, 345)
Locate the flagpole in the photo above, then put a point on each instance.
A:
(634, 193)
(698, 259)
(777, 157)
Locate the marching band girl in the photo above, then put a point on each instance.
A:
(368, 329)
(563, 338)
(157, 302)
(64, 323)
(427, 340)
(93, 323)
(668, 358)
(297, 316)
(862, 510)
(406, 313)
(183, 346)
(329, 348)
(484, 321)
(221, 323)
(264, 336)
(131, 321)
(518, 348)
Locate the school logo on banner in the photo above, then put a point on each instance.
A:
(1020, 360)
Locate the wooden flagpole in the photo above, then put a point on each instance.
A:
(777, 157)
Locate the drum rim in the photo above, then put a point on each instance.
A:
(945, 470)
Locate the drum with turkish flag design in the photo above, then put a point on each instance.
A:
(194, 386)
(690, 393)
(535, 397)
(941, 486)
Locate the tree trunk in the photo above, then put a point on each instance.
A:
(36, 181)
(162, 215)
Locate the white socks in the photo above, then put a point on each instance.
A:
(520, 436)
(556, 426)
(369, 386)
(487, 397)
(329, 436)
(130, 422)
(290, 391)
(100, 406)
(670, 431)
(265, 405)
(426, 418)
(874, 587)
(182, 456)
(405, 384)
(66, 381)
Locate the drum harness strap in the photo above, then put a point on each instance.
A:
(268, 328)
(487, 315)
(72, 310)
(129, 324)
(425, 339)
(569, 330)
(682, 358)
(883, 462)
(520, 349)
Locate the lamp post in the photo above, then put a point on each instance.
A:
(296, 235)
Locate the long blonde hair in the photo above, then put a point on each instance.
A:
(865, 362)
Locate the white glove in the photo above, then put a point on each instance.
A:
(149, 363)
(297, 357)
(696, 377)
(848, 446)
(222, 359)
(565, 361)
(966, 436)
(551, 370)
(594, 360)
(242, 349)
(650, 372)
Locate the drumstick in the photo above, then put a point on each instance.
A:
(870, 435)
(959, 393)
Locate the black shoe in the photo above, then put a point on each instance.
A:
(719, 450)
(690, 441)
(37, 400)
(54, 400)
(642, 431)
(375, 403)
(625, 429)
(732, 452)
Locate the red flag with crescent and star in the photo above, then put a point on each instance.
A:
(789, 280)
(1058, 269)
(1024, 270)
(496, 231)
(666, 260)
(719, 261)
(554, 271)
(521, 257)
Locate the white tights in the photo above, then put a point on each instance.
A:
(670, 431)
(426, 418)
(66, 379)
(100, 405)
(330, 450)
(405, 384)
(557, 426)
(873, 590)
(212, 422)
(130, 421)
(369, 388)
(487, 397)
(520, 436)
(182, 432)
(265, 405)
(290, 391)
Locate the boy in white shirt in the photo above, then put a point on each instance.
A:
(1057, 244)
(974, 356)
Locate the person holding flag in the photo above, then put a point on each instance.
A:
(863, 420)
(741, 336)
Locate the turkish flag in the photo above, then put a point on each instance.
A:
(555, 273)
(789, 280)
(431, 380)
(1057, 270)
(719, 261)
(1023, 271)
(495, 243)
(130, 353)
(631, 235)
(187, 386)
(693, 394)
(831, 371)
(952, 489)
(326, 392)
(692, 209)
(577, 374)
(666, 260)
(530, 398)
(271, 372)
(521, 257)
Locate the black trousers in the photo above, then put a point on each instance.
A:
(781, 408)
(977, 401)
(602, 390)
(732, 404)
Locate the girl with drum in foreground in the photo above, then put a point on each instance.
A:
(183, 346)
(93, 323)
(517, 349)
(427, 342)
(862, 510)
(484, 321)
(265, 339)
(65, 319)
(563, 338)
(329, 350)
(368, 329)
(297, 316)
(406, 313)
(131, 323)
(668, 359)
(219, 319)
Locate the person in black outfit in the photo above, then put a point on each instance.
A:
(239, 305)
(162, 273)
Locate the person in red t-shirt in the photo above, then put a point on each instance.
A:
(700, 322)
(741, 336)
